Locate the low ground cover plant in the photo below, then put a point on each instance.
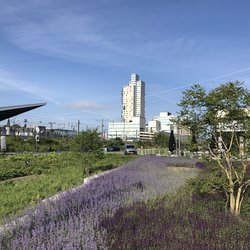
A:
(179, 223)
(74, 220)
(25, 179)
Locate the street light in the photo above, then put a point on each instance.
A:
(37, 136)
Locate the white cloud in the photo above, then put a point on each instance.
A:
(65, 33)
(86, 105)
(94, 33)
(83, 34)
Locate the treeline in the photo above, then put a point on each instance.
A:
(85, 141)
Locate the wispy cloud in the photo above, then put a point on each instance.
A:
(86, 105)
(9, 82)
(65, 34)
(204, 82)
(84, 35)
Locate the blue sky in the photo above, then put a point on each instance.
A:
(77, 55)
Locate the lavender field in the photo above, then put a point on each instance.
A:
(187, 224)
(74, 220)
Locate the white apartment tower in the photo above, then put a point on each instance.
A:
(133, 100)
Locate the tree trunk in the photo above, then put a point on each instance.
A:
(232, 201)
(235, 201)
(238, 201)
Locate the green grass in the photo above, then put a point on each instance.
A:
(41, 176)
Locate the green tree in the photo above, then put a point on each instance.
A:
(172, 142)
(144, 144)
(117, 142)
(87, 141)
(192, 104)
(161, 139)
(220, 119)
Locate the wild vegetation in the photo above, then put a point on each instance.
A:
(20, 144)
(85, 141)
(137, 206)
(73, 221)
(27, 178)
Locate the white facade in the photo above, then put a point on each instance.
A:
(154, 126)
(133, 100)
(166, 123)
(125, 130)
(133, 111)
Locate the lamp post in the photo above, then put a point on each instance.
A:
(37, 136)
(179, 140)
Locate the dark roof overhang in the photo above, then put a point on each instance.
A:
(10, 111)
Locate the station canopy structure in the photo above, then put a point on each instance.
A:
(10, 111)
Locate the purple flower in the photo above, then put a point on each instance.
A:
(73, 219)
(200, 165)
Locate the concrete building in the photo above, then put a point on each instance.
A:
(133, 119)
(133, 100)
(165, 119)
(163, 122)
(154, 126)
(127, 131)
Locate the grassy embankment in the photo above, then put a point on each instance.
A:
(27, 178)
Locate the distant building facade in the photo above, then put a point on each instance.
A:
(133, 119)
(127, 131)
(166, 122)
(133, 100)
(153, 126)
(33, 130)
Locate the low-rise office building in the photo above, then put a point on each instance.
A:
(127, 131)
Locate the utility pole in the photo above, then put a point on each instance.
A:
(51, 124)
(25, 123)
(51, 128)
(102, 125)
(102, 128)
(78, 127)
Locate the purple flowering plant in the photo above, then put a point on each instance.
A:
(72, 221)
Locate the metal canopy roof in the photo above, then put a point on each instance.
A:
(10, 111)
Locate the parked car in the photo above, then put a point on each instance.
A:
(130, 149)
(113, 149)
